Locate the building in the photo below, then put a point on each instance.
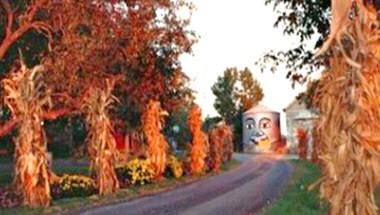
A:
(299, 116)
(261, 129)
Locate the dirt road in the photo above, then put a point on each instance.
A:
(244, 190)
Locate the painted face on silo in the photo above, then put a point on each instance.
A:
(255, 133)
(262, 130)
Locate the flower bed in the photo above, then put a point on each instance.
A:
(73, 186)
(173, 167)
(135, 172)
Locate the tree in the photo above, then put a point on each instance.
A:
(224, 91)
(209, 122)
(176, 127)
(308, 20)
(310, 94)
(89, 42)
(236, 92)
(127, 39)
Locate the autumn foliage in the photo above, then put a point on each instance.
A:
(198, 146)
(25, 95)
(136, 43)
(100, 141)
(350, 110)
(157, 145)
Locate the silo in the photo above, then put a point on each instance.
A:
(261, 129)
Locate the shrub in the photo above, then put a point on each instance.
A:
(136, 171)
(73, 186)
(173, 167)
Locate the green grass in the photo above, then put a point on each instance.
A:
(296, 199)
(72, 204)
(6, 177)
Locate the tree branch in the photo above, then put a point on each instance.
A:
(8, 126)
(12, 36)
(8, 9)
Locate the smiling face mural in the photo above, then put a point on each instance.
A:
(261, 129)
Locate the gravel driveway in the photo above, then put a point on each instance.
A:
(244, 190)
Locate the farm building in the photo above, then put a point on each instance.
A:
(299, 116)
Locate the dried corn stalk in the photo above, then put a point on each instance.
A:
(26, 95)
(221, 146)
(216, 140)
(302, 138)
(228, 144)
(349, 125)
(157, 145)
(198, 147)
(100, 141)
(316, 147)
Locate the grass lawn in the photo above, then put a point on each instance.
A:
(5, 159)
(296, 199)
(70, 204)
(6, 177)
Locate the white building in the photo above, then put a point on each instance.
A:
(299, 116)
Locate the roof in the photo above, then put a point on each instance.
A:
(306, 115)
(260, 109)
(295, 105)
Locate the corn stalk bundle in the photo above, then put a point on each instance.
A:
(228, 144)
(26, 95)
(157, 145)
(302, 138)
(316, 146)
(101, 144)
(349, 104)
(198, 147)
(134, 142)
(216, 141)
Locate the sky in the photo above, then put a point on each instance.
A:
(236, 33)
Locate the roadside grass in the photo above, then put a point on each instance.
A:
(82, 203)
(296, 199)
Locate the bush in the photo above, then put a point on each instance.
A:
(136, 171)
(173, 167)
(73, 186)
